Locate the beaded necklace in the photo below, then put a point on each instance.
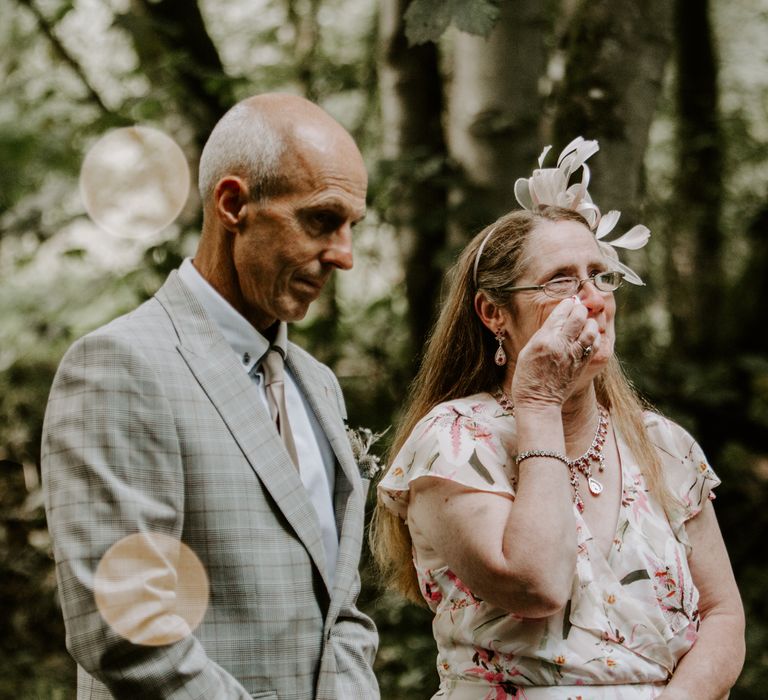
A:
(582, 464)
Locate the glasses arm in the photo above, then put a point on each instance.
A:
(538, 287)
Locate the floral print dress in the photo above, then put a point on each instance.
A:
(631, 616)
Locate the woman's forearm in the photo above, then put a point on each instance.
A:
(710, 669)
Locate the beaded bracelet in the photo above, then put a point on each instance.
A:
(542, 453)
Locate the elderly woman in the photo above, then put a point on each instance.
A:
(563, 536)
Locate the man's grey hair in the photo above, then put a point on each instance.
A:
(242, 143)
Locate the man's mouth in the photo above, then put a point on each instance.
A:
(315, 284)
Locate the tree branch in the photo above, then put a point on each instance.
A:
(48, 29)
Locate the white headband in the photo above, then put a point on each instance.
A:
(480, 252)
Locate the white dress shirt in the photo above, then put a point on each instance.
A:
(317, 463)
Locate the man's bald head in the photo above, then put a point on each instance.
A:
(253, 137)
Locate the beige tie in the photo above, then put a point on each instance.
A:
(274, 381)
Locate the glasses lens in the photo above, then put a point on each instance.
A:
(608, 281)
(562, 287)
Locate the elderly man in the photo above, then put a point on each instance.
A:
(204, 503)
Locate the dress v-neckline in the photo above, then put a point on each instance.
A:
(621, 450)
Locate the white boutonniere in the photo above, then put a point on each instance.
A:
(361, 440)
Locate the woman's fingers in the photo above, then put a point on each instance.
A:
(588, 341)
(561, 316)
(570, 318)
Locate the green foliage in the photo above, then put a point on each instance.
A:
(427, 20)
(49, 117)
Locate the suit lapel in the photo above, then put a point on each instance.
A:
(235, 397)
(321, 395)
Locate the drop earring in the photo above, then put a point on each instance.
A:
(500, 358)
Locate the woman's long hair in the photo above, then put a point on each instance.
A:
(458, 361)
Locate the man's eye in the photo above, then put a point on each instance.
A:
(325, 220)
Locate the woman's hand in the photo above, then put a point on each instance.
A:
(551, 361)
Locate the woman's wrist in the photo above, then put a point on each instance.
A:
(540, 419)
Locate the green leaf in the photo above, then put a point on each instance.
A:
(476, 16)
(567, 619)
(477, 465)
(490, 621)
(633, 576)
(75, 253)
(427, 20)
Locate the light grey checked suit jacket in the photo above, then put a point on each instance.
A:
(153, 426)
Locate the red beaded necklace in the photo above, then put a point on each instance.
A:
(581, 464)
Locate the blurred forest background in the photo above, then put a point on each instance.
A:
(450, 101)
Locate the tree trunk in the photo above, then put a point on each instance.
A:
(615, 55)
(698, 239)
(180, 60)
(303, 17)
(495, 111)
(415, 152)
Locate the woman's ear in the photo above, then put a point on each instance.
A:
(230, 198)
(490, 314)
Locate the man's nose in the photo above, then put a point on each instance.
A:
(339, 250)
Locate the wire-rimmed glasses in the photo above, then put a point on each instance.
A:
(564, 287)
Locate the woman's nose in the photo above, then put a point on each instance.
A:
(591, 296)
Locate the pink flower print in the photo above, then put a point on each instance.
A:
(665, 581)
(483, 656)
(481, 434)
(635, 496)
(504, 691)
(492, 668)
(489, 675)
(431, 592)
(456, 433)
(628, 494)
(460, 586)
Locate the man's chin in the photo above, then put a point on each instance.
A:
(295, 312)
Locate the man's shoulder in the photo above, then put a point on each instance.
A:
(140, 325)
(143, 332)
(303, 358)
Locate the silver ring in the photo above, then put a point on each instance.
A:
(585, 351)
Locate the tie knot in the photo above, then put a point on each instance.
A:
(272, 365)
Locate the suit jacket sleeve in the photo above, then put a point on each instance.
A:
(354, 636)
(112, 468)
(355, 641)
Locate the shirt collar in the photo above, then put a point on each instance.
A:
(249, 345)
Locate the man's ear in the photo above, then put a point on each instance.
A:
(230, 199)
(490, 314)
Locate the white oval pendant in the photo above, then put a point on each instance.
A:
(595, 487)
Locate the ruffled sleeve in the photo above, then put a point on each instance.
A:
(687, 473)
(466, 441)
